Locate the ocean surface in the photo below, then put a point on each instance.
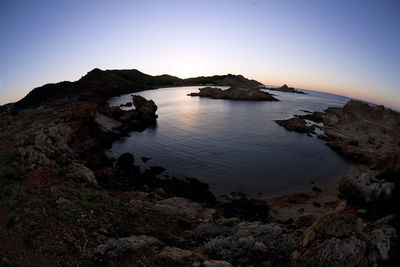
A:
(235, 145)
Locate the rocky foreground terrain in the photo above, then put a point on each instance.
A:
(64, 203)
(235, 93)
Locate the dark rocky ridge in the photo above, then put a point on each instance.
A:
(64, 202)
(100, 85)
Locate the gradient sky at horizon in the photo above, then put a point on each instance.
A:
(346, 47)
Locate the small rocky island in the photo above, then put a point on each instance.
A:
(285, 88)
(235, 93)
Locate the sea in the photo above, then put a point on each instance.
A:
(235, 146)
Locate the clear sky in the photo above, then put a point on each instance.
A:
(347, 47)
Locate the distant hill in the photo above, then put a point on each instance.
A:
(98, 84)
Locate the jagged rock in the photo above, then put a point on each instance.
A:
(343, 252)
(296, 124)
(144, 106)
(34, 156)
(361, 186)
(333, 224)
(81, 172)
(107, 124)
(380, 239)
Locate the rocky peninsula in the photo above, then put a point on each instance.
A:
(366, 134)
(235, 93)
(63, 202)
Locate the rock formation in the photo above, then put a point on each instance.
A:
(285, 88)
(235, 93)
(363, 133)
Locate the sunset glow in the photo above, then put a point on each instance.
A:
(329, 46)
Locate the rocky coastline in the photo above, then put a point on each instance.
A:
(360, 132)
(64, 202)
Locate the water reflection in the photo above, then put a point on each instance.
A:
(235, 145)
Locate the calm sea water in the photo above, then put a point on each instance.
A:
(235, 145)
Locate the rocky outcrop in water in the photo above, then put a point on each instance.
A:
(285, 88)
(235, 93)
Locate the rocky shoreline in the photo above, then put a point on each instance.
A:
(360, 132)
(64, 202)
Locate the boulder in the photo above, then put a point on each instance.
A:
(125, 161)
(380, 239)
(79, 171)
(144, 106)
(296, 124)
(333, 224)
(361, 186)
(107, 124)
(342, 252)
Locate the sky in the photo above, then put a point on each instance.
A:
(345, 47)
